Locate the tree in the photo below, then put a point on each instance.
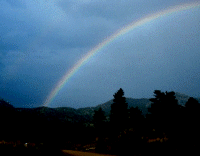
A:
(192, 118)
(136, 119)
(99, 119)
(164, 111)
(192, 103)
(163, 104)
(192, 107)
(119, 111)
(118, 122)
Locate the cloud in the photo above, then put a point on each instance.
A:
(41, 40)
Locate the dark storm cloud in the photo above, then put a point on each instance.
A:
(41, 40)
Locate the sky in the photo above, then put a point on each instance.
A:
(41, 40)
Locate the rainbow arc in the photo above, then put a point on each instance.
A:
(110, 39)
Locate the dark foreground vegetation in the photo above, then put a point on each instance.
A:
(167, 128)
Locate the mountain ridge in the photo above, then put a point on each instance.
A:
(141, 103)
(68, 114)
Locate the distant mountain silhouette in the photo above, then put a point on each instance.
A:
(61, 114)
(142, 104)
(85, 115)
(183, 98)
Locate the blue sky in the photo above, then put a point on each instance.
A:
(41, 40)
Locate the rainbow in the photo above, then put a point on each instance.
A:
(110, 39)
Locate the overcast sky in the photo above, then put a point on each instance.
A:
(40, 40)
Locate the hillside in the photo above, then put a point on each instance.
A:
(67, 114)
(142, 104)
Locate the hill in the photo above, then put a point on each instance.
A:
(143, 104)
(84, 115)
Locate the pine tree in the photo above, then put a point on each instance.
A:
(165, 112)
(192, 119)
(119, 111)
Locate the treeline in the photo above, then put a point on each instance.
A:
(168, 127)
(41, 127)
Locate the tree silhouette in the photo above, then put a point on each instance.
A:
(164, 111)
(192, 110)
(136, 118)
(192, 103)
(119, 111)
(99, 119)
(192, 118)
